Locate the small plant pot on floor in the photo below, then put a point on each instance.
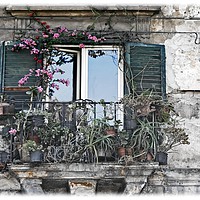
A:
(36, 156)
(161, 158)
(121, 151)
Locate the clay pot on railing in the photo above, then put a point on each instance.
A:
(111, 131)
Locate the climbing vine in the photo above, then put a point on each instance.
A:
(40, 43)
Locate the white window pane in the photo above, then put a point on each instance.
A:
(65, 93)
(103, 76)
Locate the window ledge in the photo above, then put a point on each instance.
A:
(83, 11)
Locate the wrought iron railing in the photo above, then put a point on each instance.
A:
(64, 131)
(87, 131)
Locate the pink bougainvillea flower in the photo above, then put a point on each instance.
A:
(12, 131)
(23, 46)
(23, 80)
(67, 82)
(45, 35)
(50, 75)
(94, 38)
(53, 85)
(35, 51)
(74, 33)
(50, 31)
(57, 87)
(64, 81)
(81, 45)
(40, 89)
(37, 72)
(56, 35)
(62, 29)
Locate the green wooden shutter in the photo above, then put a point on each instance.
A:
(146, 68)
(1, 66)
(14, 65)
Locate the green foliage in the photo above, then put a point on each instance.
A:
(145, 136)
(31, 145)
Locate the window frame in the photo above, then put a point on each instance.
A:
(82, 68)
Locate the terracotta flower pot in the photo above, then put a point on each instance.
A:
(35, 138)
(110, 131)
(121, 151)
(149, 156)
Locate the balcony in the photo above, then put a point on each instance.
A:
(76, 144)
(82, 131)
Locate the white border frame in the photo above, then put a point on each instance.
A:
(78, 78)
(84, 75)
(82, 68)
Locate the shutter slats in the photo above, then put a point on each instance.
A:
(146, 65)
(1, 67)
(17, 64)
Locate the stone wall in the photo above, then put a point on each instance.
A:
(99, 179)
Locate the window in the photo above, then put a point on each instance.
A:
(94, 75)
(70, 69)
(94, 72)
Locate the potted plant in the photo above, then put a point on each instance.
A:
(170, 137)
(95, 142)
(144, 138)
(140, 105)
(122, 142)
(34, 150)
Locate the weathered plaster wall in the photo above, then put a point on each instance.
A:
(183, 82)
(5, 23)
